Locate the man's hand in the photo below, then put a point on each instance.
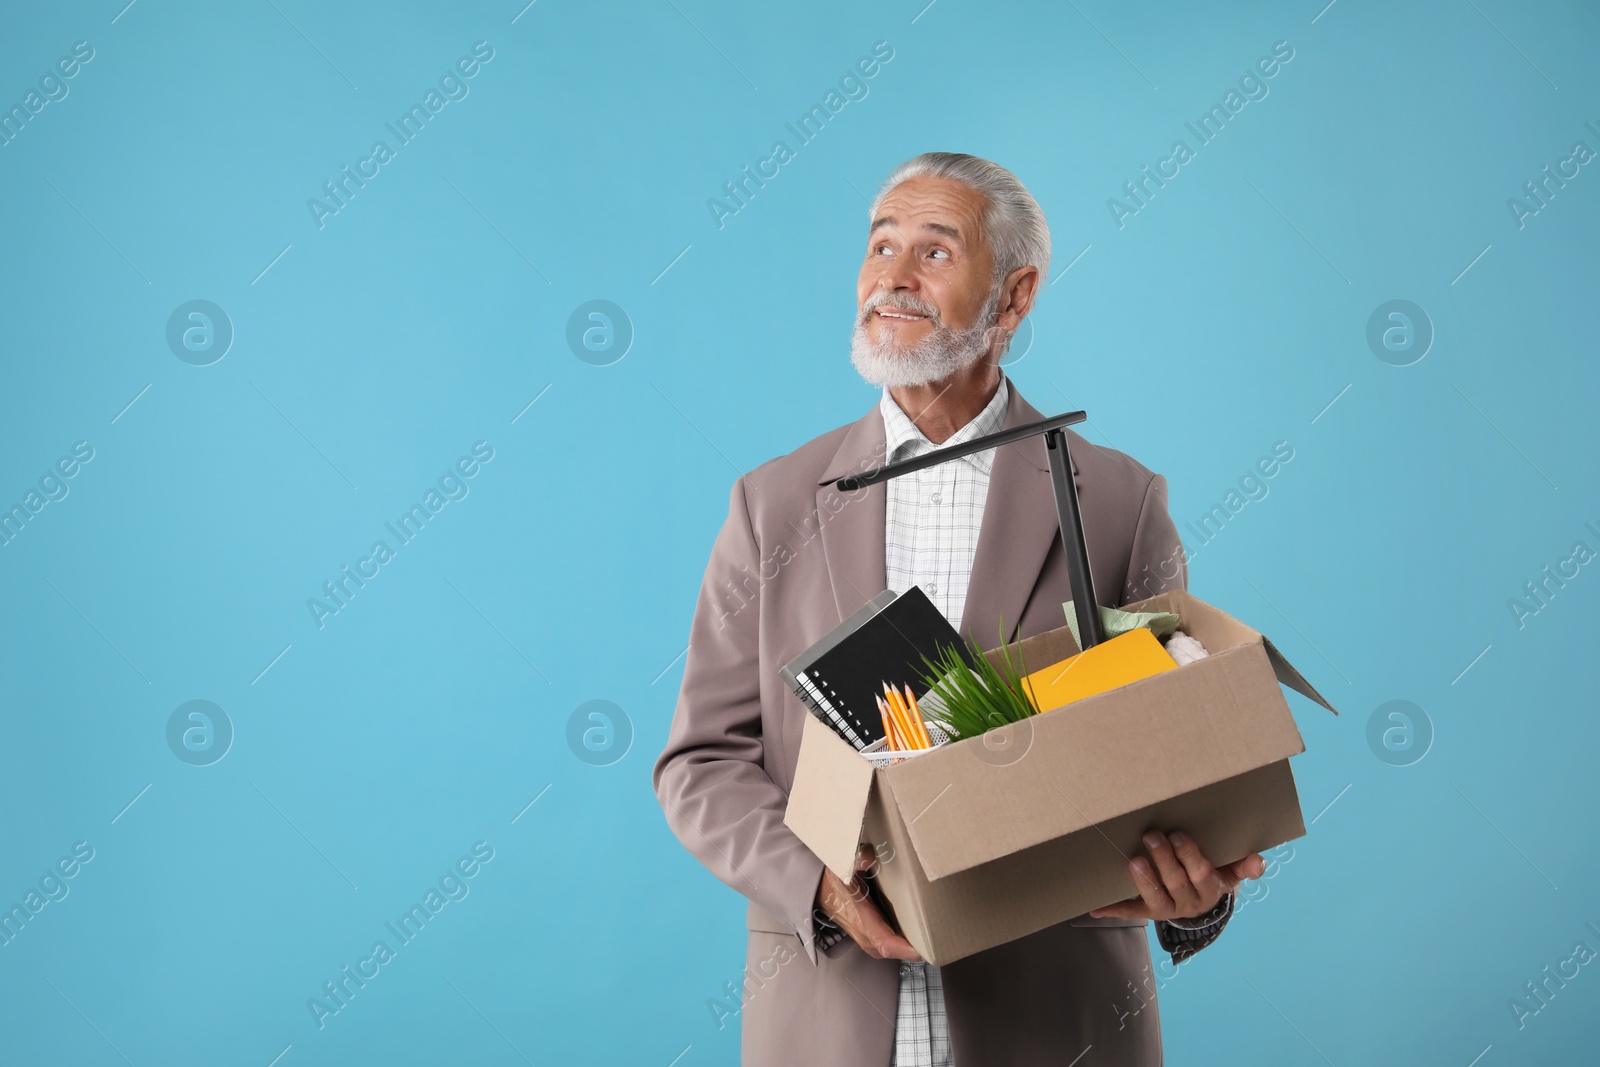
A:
(1184, 884)
(853, 911)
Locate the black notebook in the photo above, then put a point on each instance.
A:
(838, 677)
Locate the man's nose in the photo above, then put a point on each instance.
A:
(901, 273)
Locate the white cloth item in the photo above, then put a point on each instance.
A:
(1185, 649)
(931, 522)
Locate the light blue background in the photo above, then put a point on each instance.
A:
(1227, 315)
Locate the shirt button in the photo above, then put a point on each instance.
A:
(936, 496)
(933, 589)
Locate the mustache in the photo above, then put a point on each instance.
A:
(904, 301)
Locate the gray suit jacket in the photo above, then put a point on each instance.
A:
(790, 562)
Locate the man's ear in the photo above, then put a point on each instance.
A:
(1017, 295)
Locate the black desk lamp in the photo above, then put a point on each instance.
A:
(1068, 514)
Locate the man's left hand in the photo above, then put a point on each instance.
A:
(1183, 883)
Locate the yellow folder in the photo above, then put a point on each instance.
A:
(1117, 661)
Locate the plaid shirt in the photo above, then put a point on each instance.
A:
(931, 523)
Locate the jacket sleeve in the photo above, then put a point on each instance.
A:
(710, 779)
(1157, 563)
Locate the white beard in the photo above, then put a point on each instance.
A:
(935, 357)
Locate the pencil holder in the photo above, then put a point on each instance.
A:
(883, 757)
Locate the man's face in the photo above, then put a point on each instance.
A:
(926, 292)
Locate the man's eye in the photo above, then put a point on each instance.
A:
(881, 250)
(937, 252)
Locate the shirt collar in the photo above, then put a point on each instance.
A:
(903, 439)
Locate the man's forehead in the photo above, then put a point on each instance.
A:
(889, 221)
(932, 204)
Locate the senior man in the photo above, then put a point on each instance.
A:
(956, 251)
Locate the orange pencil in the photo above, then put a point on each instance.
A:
(894, 717)
(902, 737)
(908, 719)
(907, 727)
(905, 717)
(889, 739)
(916, 717)
(908, 735)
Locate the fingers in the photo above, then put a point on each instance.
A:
(1208, 882)
(866, 925)
(893, 947)
(1252, 866)
(1176, 879)
(852, 909)
(1160, 878)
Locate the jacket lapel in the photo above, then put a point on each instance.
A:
(852, 523)
(1019, 526)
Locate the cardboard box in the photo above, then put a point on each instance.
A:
(989, 839)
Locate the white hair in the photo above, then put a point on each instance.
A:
(1013, 222)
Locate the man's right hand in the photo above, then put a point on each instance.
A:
(853, 911)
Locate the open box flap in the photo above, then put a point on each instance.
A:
(1215, 629)
(832, 782)
(1092, 760)
(1292, 678)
